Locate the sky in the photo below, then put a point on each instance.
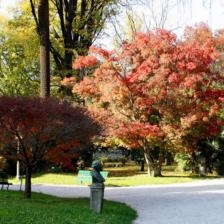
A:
(180, 17)
(5, 5)
(213, 17)
(177, 17)
(189, 15)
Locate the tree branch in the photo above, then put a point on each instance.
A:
(32, 4)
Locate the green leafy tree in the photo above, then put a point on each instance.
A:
(19, 65)
(77, 24)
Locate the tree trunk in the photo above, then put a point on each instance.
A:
(27, 193)
(168, 158)
(154, 167)
(194, 164)
(43, 15)
(68, 59)
(202, 171)
(142, 165)
(147, 163)
(156, 171)
(202, 167)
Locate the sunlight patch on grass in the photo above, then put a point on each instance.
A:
(131, 180)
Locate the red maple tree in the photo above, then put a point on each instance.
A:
(160, 91)
(45, 129)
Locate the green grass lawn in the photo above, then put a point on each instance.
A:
(44, 209)
(146, 180)
(121, 176)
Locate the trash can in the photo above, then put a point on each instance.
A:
(96, 197)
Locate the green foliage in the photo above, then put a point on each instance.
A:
(15, 209)
(219, 166)
(217, 146)
(184, 162)
(19, 66)
(209, 157)
(104, 159)
(55, 169)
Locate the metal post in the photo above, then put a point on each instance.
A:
(17, 163)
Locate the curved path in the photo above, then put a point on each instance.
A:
(199, 202)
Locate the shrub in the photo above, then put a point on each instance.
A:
(2, 163)
(184, 162)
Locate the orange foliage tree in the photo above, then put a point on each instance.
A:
(45, 129)
(157, 91)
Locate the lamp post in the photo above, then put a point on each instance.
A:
(17, 163)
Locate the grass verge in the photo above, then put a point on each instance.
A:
(143, 179)
(45, 209)
(132, 180)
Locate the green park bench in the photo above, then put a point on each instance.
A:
(84, 176)
(4, 180)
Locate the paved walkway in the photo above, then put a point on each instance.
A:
(199, 202)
